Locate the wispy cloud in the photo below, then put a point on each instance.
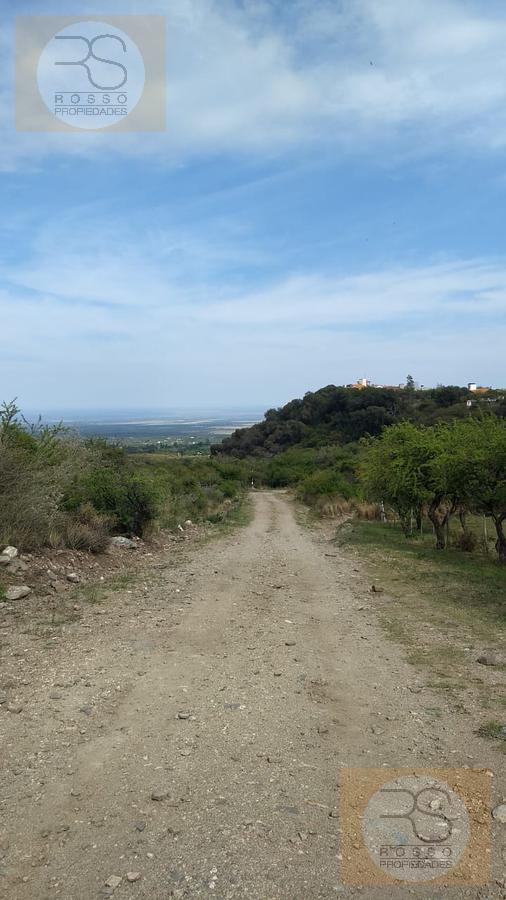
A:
(247, 78)
(473, 288)
(172, 282)
(104, 262)
(98, 318)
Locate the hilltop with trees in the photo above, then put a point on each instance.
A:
(339, 415)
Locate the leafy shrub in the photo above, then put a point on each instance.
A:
(58, 490)
(326, 482)
(129, 498)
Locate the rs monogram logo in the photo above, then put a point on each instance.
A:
(91, 55)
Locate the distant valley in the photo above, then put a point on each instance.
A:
(143, 428)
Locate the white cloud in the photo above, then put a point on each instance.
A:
(73, 357)
(463, 288)
(214, 270)
(90, 329)
(243, 80)
(90, 259)
(94, 309)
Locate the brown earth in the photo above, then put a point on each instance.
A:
(233, 680)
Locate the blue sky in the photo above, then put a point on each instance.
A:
(326, 203)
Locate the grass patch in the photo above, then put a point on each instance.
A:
(445, 686)
(396, 629)
(90, 593)
(97, 591)
(305, 516)
(120, 582)
(493, 730)
(444, 608)
(471, 588)
(438, 658)
(241, 514)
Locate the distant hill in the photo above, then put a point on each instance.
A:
(338, 415)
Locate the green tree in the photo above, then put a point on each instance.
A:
(393, 470)
(476, 467)
(405, 467)
(460, 465)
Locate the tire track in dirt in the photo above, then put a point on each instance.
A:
(236, 689)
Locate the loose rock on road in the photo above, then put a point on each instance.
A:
(187, 741)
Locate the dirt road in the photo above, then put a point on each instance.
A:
(233, 687)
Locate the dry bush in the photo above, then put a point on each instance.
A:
(466, 541)
(334, 507)
(367, 512)
(36, 466)
(331, 507)
(28, 500)
(85, 529)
